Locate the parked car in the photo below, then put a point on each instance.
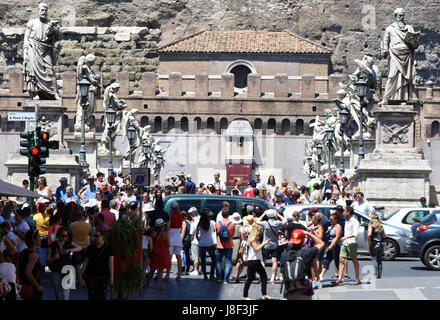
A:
(407, 217)
(394, 243)
(214, 202)
(425, 240)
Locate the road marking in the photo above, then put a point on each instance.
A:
(410, 294)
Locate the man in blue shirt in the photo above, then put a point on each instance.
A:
(422, 203)
(70, 196)
(61, 190)
(190, 187)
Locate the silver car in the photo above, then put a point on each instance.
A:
(406, 217)
(394, 243)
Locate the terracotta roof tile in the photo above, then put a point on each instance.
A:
(246, 41)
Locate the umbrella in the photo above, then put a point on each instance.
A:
(8, 190)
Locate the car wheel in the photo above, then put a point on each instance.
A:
(390, 249)
(432, 257)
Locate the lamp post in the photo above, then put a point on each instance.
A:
(131, 133)
(319, 154)
(344, 116)
(329, 136)
(361, 89)
(84, 86)
(110, 113)
(159, 160)
(147, 149)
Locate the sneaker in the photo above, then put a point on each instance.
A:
(318, 286)
(335, 276)
(272, 281)
(321, 277)
(226, 281)
(194, 273)
(347, 277)
(166, 278)
(314, 284)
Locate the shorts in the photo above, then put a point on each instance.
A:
(195, 251)
(176, 250)
(349, 252)
(272, 253)
(145, 254)
(78, 258)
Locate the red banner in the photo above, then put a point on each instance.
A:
(242, 170)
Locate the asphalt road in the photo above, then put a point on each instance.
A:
(403, 279)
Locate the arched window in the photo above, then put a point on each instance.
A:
(435, 129)
(198, 123)
(299, 127)
(285, 126)
(144, 121)
(258, 124)
(223, 124)
(210, 123)
(171, 123)
(271, 125)
(240, 69)
(184, 124)
(157, 124)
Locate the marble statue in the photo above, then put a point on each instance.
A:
(145, 136)
(399, 43)
(84, 70)
(155, 165)
(39, 56)
(119, 105)
(129, 118)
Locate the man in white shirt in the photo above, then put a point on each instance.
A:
(339, 201)
(363, 206)
(218, 183)
(349, 245)
(260, 183)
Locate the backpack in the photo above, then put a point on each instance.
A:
(223, 233)
(294, 272)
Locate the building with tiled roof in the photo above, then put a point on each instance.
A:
(242, 52)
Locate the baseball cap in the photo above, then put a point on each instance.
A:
(297, 237)
(328, 191)
(174, 205)
(250, 209)
(63, 179)
(314, 210)
(252, 181)
(188, 176)
(91, 177)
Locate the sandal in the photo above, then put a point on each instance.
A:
(356, 283)
(267, 298)
(247, 298)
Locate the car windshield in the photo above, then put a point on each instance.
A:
(388, 217)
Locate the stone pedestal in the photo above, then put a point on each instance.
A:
(91, 150)
(104, 164)
(395, 175)
(337, 160)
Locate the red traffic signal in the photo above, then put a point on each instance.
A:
(44, 136)
(35, 151)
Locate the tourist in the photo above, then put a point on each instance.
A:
(236, 219)
(42, 220)
(160, 257)
(9, 272)
(61, 190)
(251, 189)
(204, 230)
(254, 265)
(248, 222)
(88, 193)
(195, 252)
(44, 190)
(349, 245)
(190, 187)
(284, 185)
(147, 248)
(316, 229)
(305, 195)
(186, 240)
(55, 222)
(225, 231)
(20, 229)
(109, 217)
(70, 196)
(100, 182)
(237, 186)
(225, 206)
(307, 255)
(5, 241)
(80, 232)
(175, 235)
(363, 206)
(316, 197)
(332, 246)
(376, 234)
(295, 223)
(338, 199)
(260, 183)
(58, 256)
(219, 183)
(98, 270)
(423, 203)
(271, 227)
(271, 188)
(108, 195)
(279, 200)
(119, 179)
(29, 268)
(22, 200)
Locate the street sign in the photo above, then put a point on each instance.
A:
(21, 116)
(140, 176)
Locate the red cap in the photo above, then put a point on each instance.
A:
(297, 236)
(314, 209)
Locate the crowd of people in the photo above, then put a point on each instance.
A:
(69, 228)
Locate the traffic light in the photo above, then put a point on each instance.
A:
(28, 143)
(36, 159)
(44, 143)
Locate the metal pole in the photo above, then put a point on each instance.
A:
(110, 169)
(82, 149)
(329, 156)
(319, 167)
(342, 169)
(361, 152)
(131, 177)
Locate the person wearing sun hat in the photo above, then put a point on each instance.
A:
(296, 248)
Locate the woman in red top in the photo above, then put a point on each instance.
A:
(176, 239)
(160, 257)
(55, 223)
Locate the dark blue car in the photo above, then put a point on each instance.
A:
(425, 241)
